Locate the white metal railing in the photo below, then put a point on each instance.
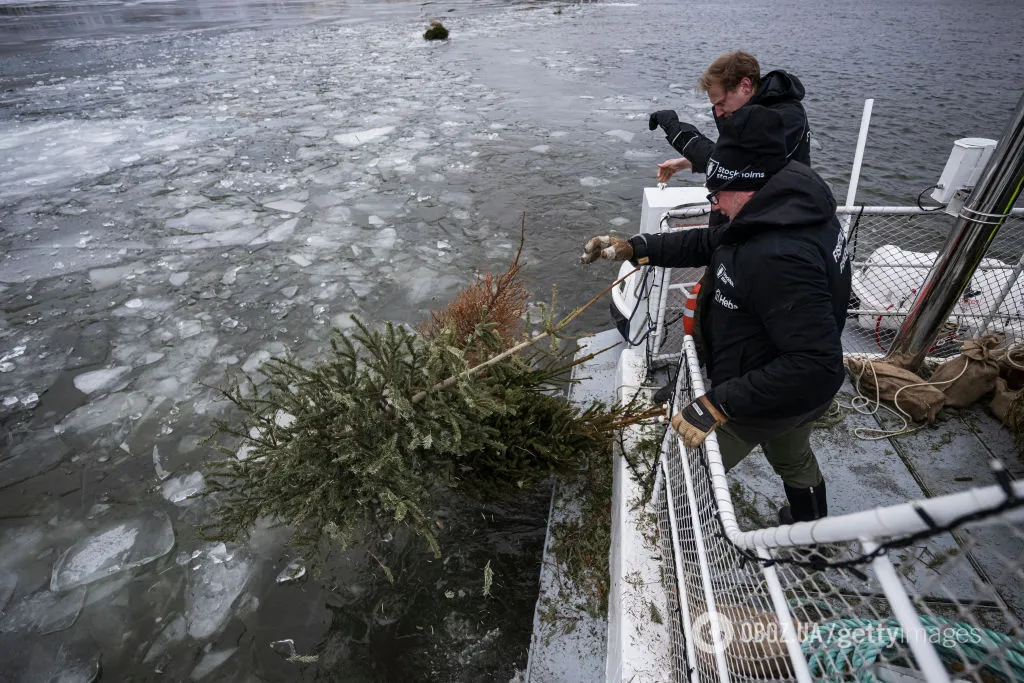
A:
(892, 249)
(781, 603)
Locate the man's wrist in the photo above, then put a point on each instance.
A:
(717, 404)
(641, 253)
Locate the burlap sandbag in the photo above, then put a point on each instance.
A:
(921, 402)
(1004, 396)
(969, 376)
(757, 648)
(1011, 365)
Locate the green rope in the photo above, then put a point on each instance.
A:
(846, 649)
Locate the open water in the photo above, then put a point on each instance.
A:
(189, 187)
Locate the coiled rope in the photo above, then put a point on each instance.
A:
(837, 649)
(865, 405)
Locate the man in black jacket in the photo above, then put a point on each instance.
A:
(731, 82)
(779, 281)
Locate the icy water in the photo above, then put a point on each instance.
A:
(188, 188)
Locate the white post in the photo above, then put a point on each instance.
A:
(927, 658)
(1003, 293)
(858, 158)
(684, 603)
(782, 613)
(851, 193)
(705, 570)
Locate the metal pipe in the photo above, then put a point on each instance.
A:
(684, 601)
(982, 215)
(659, 325)
(858, 157)
(714, 617)
(867, 210)
(789, 632)
(994, 313)
(927, 658)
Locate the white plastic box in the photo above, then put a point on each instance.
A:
(964, 167)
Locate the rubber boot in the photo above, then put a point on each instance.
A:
(805, 505)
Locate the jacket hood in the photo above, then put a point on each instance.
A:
(795, 197)
(778, 86)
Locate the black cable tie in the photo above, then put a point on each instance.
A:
(1003, 479)
(858, 573)
(925, 517)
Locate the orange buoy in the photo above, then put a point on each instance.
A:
(690, 309)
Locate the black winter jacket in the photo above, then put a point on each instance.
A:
(777, 289)
(780, 91)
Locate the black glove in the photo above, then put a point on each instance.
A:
(663, 118)
(678, 134)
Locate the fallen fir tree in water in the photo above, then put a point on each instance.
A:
(369, 441)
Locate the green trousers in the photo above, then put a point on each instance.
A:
(790, 455)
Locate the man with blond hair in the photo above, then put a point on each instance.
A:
(778, 283)
(733, 81)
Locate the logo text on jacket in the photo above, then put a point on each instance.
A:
(724, 301)
(839, 253)
(723, 275)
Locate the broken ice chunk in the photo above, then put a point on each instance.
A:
(8, 582)
(44, 612)
(363, 136)
(113, 549)
(180, 489)
(292, 572)
(161, 473)
(16, 352)
(209, 662)
(286, 205)
(178, 279)
(172, 634)
(91, 382)
(624, 135)
(213, 589)
(278, 234)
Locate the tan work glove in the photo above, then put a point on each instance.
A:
(610, 248)
(697, 420)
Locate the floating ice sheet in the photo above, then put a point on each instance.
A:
(278, 234)
(44, 612)
(286, 205)
(213, 588)
(97, 380)
(210, 662)
(104, 412)
(364, 136)
(172, 634)
(293, 571)
(114, 549)
(179, 489)
(208, 220)
(8, 582)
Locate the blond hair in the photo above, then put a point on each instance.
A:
(728, 70)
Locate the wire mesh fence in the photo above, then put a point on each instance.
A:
(892, 250)
(877, 600)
